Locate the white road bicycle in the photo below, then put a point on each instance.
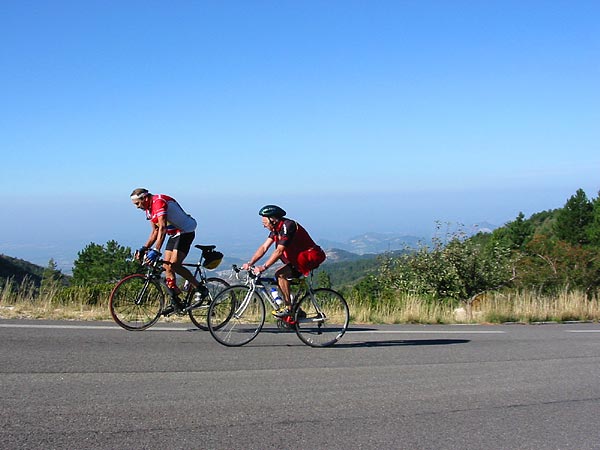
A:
(236, 316)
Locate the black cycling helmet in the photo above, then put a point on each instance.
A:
(272, 211)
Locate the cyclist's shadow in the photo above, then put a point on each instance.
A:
(401, 342)
(398, 342)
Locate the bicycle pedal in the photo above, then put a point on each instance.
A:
(196, 304)
(168, 311)
(288, 320)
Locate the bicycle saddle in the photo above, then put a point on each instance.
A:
(206, 248)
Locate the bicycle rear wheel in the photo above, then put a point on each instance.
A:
(321, 317)
(236, 316)
(136, 302)
(198, 313)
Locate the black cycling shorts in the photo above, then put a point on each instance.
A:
(181, 242)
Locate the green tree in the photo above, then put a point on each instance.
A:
(551, 265)
(52, 277)
(593, 230)
(518, 232)
(461, 269)
(100, 264)
(573, 220)
(51, 272)
(323, 279)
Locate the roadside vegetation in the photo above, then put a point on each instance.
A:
(537, 269)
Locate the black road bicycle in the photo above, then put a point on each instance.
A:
(138, 300)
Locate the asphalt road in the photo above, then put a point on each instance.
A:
(93, 385)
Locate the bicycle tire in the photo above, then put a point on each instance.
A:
(198, 314)
(325, 327)
(235, 318)
(136, 302)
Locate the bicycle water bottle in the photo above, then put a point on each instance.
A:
(276, 297)
(197, 297)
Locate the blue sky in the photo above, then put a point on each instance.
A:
(355, 116)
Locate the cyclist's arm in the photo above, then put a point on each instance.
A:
(158, 233)
(273, 258)
(152, 237)
(259, 252)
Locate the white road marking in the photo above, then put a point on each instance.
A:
(582, 331)
(110, 327)
(85, 327)
(158, 328)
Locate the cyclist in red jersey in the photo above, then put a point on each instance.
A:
(293, 246)
(167, 218)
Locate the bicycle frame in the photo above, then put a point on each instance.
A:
(259, 285)
(155, 270)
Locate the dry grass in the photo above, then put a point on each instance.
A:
(406, 309)
(25, 302)
(529, 307)
(521, 307)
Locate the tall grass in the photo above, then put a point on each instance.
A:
(54, 301)
(511, 306)
(530, 307)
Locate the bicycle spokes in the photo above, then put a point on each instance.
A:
(322, 317)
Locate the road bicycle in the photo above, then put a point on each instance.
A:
(320, 316)
(138, 300)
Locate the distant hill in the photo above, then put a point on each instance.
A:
(339, 255)
(18, 270)
(345, 269)
(348, 272)
(373, 243)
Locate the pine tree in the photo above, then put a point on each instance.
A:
(52, 278)
(573, 220)
(101, 264)
(593, 230)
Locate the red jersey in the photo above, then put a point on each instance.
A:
(300, 250)
(178, 221)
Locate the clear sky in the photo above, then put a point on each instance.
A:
(355, 116)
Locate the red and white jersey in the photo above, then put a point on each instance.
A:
(178, 221)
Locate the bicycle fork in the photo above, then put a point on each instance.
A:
(139, 299)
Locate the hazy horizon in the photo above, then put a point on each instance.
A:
(236, 228)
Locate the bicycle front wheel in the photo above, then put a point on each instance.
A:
(198, 314)
(321, 317)
(136, 302)
(236, 316)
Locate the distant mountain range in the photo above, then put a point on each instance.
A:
(373, 243)
(370, 244)
(359, 247)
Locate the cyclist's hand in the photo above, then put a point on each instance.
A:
(259, 269)
(246, 266)
(152, 255)
(139, 254)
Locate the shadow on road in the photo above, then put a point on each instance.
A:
(401, 342)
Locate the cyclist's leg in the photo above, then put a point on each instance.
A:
(176, 250)
(283, 275)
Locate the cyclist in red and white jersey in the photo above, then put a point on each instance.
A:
(293, 246)
(167, 218)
